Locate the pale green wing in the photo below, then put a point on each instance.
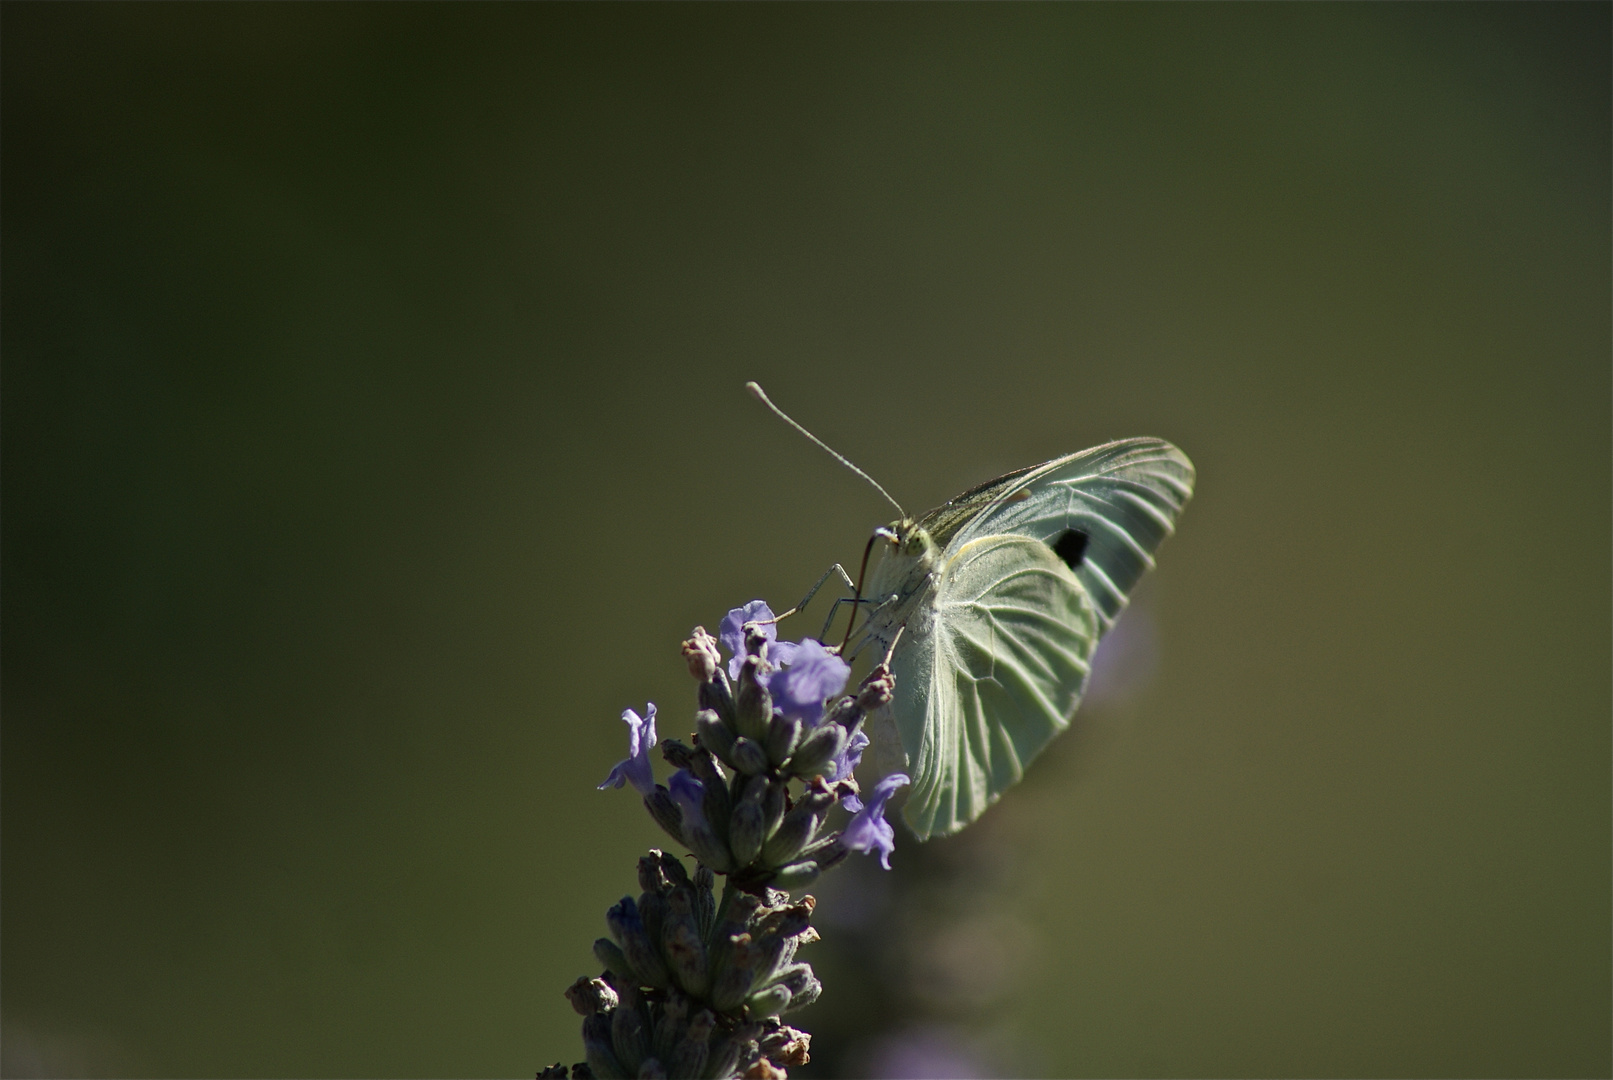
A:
(1122, 497)
(995, 670)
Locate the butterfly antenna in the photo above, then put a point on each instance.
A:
(760, 395)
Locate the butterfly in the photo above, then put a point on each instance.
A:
(994, 603)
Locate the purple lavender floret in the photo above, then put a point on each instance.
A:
(846, 762)
(813, 676)
(732, 632)
(689, 794)
(635, 768)
(868, 830)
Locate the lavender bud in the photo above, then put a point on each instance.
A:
(791, 920)
(773, 807)
(678, 754)
(754, 709)
(733, 980)
(769, 1002)
(669, 1028)
(787, 1047)
(714, 735)
(745, 829)
(590, 996)
(749, 757)
(700, 653)
(703, 767)
(799, 825)
(628, 929)
(692, 797)
(652, 911)
(717, 695)
(845, 712)
(797, 875)
(690, 1059)
(783, 735)
(650, 876)
(877, 689)
(828, 852)
(665, 812)
(796, 977)
(705, 902)
(681, 942)
(612, 959)
(596, 1043)
(818, 749)
(672, 868)
(775, 951)
(629, 1031)
(732, 1050)
(800, 999)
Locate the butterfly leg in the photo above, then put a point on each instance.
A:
(834, 610)
(805, 600)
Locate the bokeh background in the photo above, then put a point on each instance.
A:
(373, 431)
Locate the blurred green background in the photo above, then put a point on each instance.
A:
(373, 431)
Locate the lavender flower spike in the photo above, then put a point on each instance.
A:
(814, 676)
(732, 632)
(635, 768)
(868, 829)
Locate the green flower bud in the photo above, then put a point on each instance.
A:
(769, 1002)
(715, 735)
(797, 875)
(773, 807)
(596, 1043)
(627, 927)
(749, 757)
(783, 735)
(665, 812)
(818, 749)
(590, 996)
(754, 707)
(692, 1052)
(681, 943)
(669, 1027)
(745, 829)
(705, 904)
(630, 1031)
(613, 960)
(800, 825)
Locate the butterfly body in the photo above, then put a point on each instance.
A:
(1000, 597)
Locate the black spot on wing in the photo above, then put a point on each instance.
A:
(1071, 546)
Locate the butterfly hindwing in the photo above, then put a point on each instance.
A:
(1004, 663)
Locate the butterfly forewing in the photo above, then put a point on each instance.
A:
(1037, 565)
(1123, 497)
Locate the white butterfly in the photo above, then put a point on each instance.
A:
(1001, 596)
(994, 603)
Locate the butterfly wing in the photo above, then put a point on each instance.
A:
(1037, 566)
(1116, 502)
(1004, 660)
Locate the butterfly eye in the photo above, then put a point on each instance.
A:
(1071, 546)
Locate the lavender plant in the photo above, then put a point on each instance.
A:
(694, 984)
